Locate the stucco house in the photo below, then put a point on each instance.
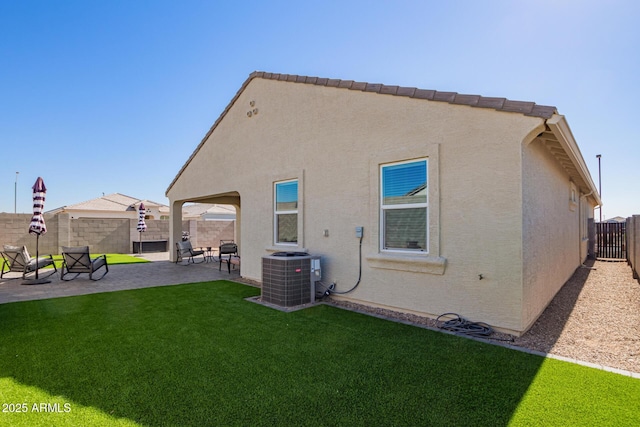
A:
(469, 204)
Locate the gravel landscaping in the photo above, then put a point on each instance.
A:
(594, 318)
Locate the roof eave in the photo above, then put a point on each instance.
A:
(561, 130)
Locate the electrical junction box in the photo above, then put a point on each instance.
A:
(359, 232)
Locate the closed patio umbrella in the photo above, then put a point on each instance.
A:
(37, 225)
(142, 226)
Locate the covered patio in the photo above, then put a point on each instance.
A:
(175, 224)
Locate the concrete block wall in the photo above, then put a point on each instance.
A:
(209, 233)
(104, 235)
(14, 230)
(156, 230)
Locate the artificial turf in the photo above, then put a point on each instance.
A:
(112, 259)
(200, 354)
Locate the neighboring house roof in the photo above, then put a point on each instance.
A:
(112, 202)
(557, 136)
(204, 210)
(616, 219)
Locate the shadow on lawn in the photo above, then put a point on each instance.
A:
(202, 355)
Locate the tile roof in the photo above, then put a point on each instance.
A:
(498, 104)
(198, 209)
(112, 202)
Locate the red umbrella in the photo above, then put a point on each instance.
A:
(142, 226)
(37, 225)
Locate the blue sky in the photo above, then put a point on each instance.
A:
(114, 96)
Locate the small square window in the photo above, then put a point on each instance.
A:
(573, 197)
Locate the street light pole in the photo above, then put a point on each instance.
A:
(15, 195)
(599, 156)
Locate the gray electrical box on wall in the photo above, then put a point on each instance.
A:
(359, 232)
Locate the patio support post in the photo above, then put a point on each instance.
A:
(175, 228)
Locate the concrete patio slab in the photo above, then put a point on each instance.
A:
(160, 272)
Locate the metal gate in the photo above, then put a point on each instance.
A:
(611, 240)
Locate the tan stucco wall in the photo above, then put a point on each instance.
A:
(333, 140)
(552, 243)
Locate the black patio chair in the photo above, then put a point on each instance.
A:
(186, 251)
(229, 249)
(16, 259)
(76, 260)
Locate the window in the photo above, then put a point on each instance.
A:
(404, 206)
(573, 198)
(584, 218)
(286, 212)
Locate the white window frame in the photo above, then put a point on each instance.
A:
(276, 212)
(573, 196)
(384, 207)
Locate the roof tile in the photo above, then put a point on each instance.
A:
(444, 96)
(466, 99)
(373, 87)
(518, 106)
(543, 111)
(389, 90)
(424, 94)
(488, 102)
(406, 91)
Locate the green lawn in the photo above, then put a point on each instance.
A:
(199, 354)
(112, 259)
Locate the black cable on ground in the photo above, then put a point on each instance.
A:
(460, 325)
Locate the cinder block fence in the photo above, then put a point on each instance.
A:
(105, 235)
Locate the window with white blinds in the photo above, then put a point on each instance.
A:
(404, 206)
(286, 212)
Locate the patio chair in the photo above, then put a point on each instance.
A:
(76, 260)
(230, 249)
(186, 251)
(16, 259)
